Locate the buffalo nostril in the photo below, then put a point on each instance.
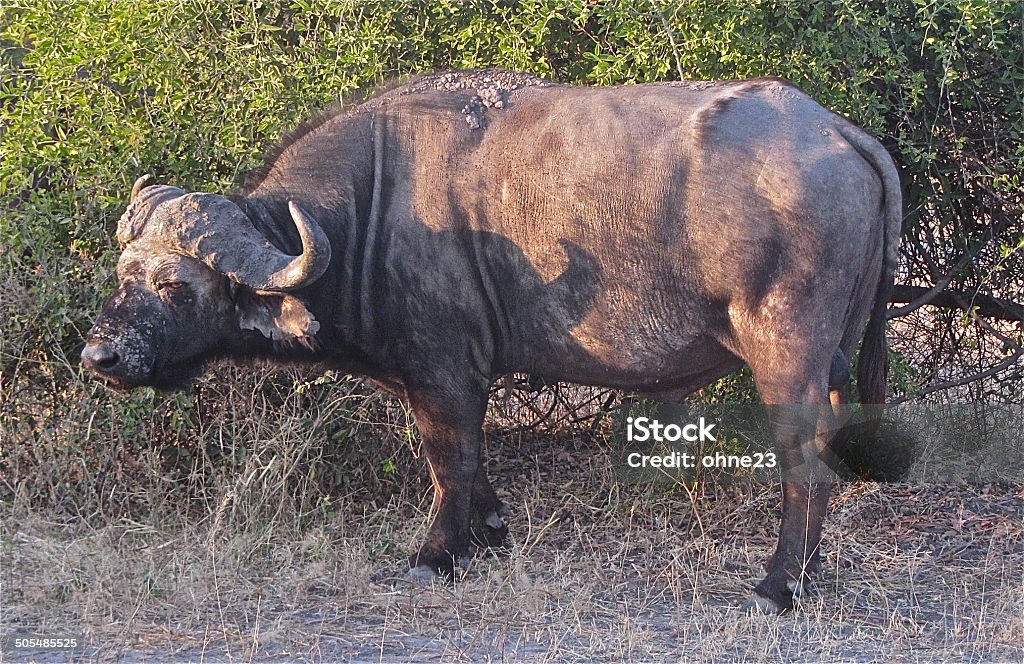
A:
(99, 356)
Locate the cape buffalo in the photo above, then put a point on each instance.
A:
(463, 226)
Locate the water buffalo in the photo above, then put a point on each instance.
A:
(463, 226)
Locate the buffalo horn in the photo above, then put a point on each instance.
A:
(216, 231)
(315, 257)
(139, 185)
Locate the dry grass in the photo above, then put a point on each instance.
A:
(250, 570)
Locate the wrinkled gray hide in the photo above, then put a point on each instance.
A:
(648, 237)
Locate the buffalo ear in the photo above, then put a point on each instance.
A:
(278, 316)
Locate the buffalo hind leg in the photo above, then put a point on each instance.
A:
(802, 422)
(449, 421)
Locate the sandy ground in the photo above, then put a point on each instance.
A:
(596, 571)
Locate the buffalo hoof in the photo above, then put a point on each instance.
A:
(489, 532)
(440, 564)
(422, 575)
(758, 605)
(427, 574)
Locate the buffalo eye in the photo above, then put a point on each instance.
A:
(170, 285)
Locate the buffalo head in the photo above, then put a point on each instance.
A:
(193, 272)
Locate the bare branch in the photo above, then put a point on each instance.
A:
(938, 387)
(984, 305)
(921, 300)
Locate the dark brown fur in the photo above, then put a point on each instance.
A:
(649, 238)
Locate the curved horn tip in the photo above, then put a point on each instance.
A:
(309, 229)
(140, 184)
(296, 211)
(315, 257)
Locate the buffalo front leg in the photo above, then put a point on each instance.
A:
(802, 434)
(487, 527)
(450, 427)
